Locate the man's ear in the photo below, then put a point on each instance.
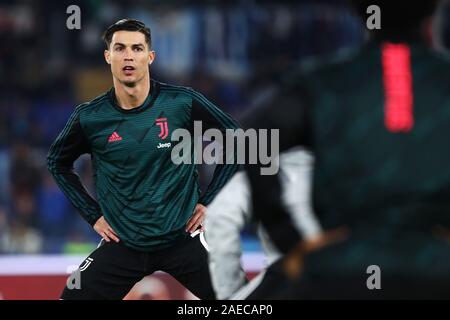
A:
(152, 56)
(107, 57)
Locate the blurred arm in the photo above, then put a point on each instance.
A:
(286, 113)
(227, 215)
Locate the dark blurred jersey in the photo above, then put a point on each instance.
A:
(378, 122)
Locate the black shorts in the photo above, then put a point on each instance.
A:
(113, 269)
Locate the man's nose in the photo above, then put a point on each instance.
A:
(128, 55)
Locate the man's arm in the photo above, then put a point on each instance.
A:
(227, 215)
(286, 113)
(212, 117)
(69, 146)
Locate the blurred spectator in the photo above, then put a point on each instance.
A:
(4, 229)
(4, 172)
(24, 209)
(22, 239)
(16, 236)
(56, 216)
(25, 168)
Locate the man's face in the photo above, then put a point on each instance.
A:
(129, 57)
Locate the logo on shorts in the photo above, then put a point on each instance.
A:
(162, 123)
(86, 264)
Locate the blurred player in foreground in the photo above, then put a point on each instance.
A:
(148, 207)
(377, 120)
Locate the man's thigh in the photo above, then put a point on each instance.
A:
(187, 262)
(108, 273)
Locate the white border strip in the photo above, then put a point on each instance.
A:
(39, 264)
(11, 265)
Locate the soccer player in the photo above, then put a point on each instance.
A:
(148, 207)
(231, 210)
(377, 120)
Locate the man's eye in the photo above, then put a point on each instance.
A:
(118, 48)
(138, 49)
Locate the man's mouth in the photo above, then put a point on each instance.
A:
(128, 70)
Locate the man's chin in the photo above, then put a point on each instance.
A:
(129, 83)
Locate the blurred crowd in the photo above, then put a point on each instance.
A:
(234, 54)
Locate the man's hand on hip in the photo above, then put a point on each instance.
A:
(197, 218)
(105, 231)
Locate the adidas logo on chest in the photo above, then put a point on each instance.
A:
(114, 137)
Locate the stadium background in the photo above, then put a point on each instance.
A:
(234, 54)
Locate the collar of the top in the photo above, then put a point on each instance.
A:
(151, 97)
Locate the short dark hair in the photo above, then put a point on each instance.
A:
(127, 25)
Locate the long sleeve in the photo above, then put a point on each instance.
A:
(212, 117)
(227, 215)
(286, 113)
(70, 144)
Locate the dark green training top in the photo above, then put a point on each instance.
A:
(377, 119)
(143, 195)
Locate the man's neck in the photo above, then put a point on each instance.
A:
(131, 97)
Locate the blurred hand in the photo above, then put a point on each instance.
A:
(105, 231)
(293, 261)
(442, 233)
(197, 218)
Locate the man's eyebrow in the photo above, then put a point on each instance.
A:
(133, 45)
